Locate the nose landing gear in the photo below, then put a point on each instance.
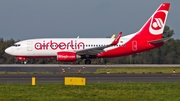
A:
(21, 62)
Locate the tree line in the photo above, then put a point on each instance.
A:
(169, 53)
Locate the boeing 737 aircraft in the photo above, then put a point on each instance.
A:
(71, 49)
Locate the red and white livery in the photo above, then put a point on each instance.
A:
(71, 49)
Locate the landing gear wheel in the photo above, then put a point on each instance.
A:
(87, 61)
(25, 62)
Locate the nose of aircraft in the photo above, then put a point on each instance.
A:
(8, 50)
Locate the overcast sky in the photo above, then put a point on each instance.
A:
(25, 19)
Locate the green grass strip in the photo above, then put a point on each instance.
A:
(91, 92)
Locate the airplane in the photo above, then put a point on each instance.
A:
(72, 49)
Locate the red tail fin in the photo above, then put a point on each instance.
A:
(154, 27)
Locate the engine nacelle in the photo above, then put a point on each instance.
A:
(67, 56)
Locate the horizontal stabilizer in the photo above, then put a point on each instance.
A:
(159, 41)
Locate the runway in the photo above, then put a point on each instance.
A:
(59, 78)
(70, 68)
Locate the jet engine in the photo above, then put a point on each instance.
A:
(67, 56)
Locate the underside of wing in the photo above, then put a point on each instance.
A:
(91, 51)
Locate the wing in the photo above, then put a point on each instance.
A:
(96, 50)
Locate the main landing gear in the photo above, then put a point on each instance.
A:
(87, 61)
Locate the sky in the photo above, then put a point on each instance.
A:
(27, 19)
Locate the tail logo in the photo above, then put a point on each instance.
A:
(157, 22)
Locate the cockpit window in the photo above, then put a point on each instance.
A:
(17, 45)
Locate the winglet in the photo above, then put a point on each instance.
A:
(113, 36)
(116, 40)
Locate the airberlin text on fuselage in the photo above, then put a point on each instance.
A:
(72, 44)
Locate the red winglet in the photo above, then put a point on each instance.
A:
(116, 40)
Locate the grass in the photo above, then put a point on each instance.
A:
(140, 70)
(91, 92)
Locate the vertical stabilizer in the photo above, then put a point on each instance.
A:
(154, 27)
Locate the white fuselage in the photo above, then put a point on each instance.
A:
(50, 46)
